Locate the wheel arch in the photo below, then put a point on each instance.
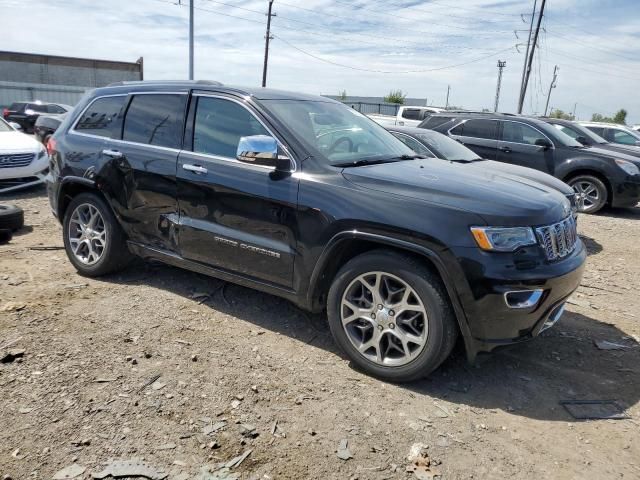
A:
(347, 245)
(71, 187)
(594, 173)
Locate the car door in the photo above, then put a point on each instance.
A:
(143, 167)
(517, 146)
(233, 215)
(480, 135)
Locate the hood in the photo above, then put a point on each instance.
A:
(501, 199)
(529, 173)
(17, 142)
(607, 151)
(615, 149)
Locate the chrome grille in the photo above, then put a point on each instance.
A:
(559, 239)
(16, 160)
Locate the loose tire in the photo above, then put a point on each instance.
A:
(11, 217)
(93, 238)
(391, 316)
(592, 193)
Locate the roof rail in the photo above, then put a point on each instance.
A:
(165, 82)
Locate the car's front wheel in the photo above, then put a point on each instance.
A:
(391, 315)
(591, 193)
(93, 238)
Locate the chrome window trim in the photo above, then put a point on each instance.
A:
(394, 132)
(234, 160)
(553, 145)
(210, 156)
(72, 129)
(468, 136)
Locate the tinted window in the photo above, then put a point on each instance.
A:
(17, 107)
(520, 133)
(101, 117)
(433, 122)
(37, 107)
(448, 147)
(413, 144)
(597, 130)
(219, 125)
(155, 120)
(412, 114)
(620, 136)
(477, 128)
(55, 109)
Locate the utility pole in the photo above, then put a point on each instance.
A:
(501, 66)
(553, 85)
(446, 105)
(523, 90)
(575, 105)
(526, 55)
(266, 44)
(191, 40)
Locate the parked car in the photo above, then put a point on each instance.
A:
(46, 125)
(436, 145)
(407, 115)
(614, 133)
(599, 177)
(586, 137)
(26, 113)
(636, 127)
(23, 160)
(301, 196)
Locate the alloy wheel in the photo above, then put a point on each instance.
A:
(87, 234)
(588, 196)
(384, 319)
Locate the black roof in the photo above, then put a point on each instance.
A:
(412, 130)
(492, 116)
(210, 85)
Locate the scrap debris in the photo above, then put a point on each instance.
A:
(72, 471)
(343, 451)
(421, 465)
(130, 468)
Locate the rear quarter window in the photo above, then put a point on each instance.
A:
(101, 118)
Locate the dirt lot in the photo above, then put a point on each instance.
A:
(241, 370)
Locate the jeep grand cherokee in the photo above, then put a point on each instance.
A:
(305, 198)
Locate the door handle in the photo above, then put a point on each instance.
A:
(112, 153)
(194, 168)
(505, 149)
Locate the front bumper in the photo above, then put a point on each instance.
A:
(492, 322)
(626, 193)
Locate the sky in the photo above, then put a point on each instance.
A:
(363, 47)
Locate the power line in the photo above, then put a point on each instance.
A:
(390, 71)
(604, 49)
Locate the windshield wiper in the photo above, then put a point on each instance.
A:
(465, 160)
(359, 163)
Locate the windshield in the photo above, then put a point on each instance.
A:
(448, 148)
(336, 133)
(557, 135)
(576, 131)
(5, 127)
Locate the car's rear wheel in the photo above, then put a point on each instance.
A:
(93, 238)
(391, 315)
(591, 193)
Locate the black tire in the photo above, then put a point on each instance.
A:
(5, 236)
(11, 217)
(589, 204)
(442, 327)
(115, 255)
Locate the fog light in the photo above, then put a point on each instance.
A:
(523, 298)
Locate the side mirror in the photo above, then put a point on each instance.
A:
(16, 126)
(544, 143)
(583, 140)
(262, 150)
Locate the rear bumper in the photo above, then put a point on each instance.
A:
(626, 193)
(491, 320)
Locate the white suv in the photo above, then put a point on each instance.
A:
(614, 133)
(23, 160)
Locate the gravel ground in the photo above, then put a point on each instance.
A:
(240, 371)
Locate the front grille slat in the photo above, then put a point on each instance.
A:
(16, 160)
(558, 240)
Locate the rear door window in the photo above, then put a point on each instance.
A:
(37, 107)
(597, 130)
(102, 117)
(620, 136)
(412, 114)
(478, 129)
(219, 124)
(155, 119)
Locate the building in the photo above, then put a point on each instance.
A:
(27, 76)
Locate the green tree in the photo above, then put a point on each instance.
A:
(395, 96)
(557, 113)
(343, 95)
(620, 117)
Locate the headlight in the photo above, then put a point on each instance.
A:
(628, 167)
(501, 239)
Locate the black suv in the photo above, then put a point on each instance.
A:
(25, 114)
(599, 177)
(302, 197)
